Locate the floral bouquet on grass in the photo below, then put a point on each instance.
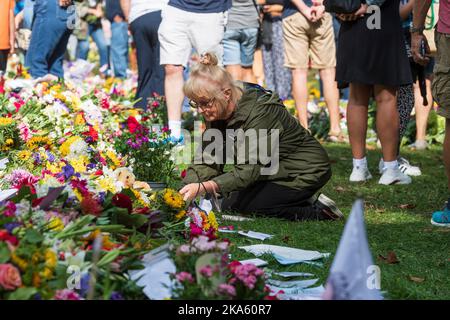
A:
(149, 151)
(205, 272)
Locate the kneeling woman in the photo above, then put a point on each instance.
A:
(301, 164)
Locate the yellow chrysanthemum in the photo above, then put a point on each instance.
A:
(5, 121)
(36, 258)
(47, 273)
(107, 184)
(9, 142)
(111, 155)
(38, 141)
(24, 155)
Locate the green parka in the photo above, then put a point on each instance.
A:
(303, 162)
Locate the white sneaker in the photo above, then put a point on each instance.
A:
(394, 176)
(360, 174)
(404, 167)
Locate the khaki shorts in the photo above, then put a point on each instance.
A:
(441, 81)
(304, 40)
(180, 31)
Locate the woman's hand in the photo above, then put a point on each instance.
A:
(353, 16)
(191, 191)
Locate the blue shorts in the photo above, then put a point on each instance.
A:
(239, 46)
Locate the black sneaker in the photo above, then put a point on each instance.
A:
(328, 208)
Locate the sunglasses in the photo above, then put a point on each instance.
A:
(204, 105)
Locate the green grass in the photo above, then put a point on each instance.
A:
(423, 250)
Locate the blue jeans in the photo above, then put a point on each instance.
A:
(49, 38)
(96, 32)
(239, 46)
(119, 48)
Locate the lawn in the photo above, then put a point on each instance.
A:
(397, 220)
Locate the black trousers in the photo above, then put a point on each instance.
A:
(150, 72)
(274, 200)
(3, 59)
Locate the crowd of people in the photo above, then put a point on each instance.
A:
(391, 64)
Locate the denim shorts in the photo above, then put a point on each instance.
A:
(239, 46)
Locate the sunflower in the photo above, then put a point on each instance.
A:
(24, 155)
(173, 199)
(38, 141)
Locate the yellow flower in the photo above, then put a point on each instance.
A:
(36, 280)
(47, 273)
(5, 121)
(50, 258)
(173, 199)
(107, 184)
(38, 141)
(213, 221)
(24, 155)
(111, 155)
(9, 142)
(36, 258)
(56, 224)
(79, 164)
(65, 147)
(180, 214)
(79, 119)
(19, 262)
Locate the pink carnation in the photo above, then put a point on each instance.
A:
(227, 289)
(184, 276)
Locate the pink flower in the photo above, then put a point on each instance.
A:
(66, 294)
(24, 132)
(227, 289)
(10, 209)
(9, 277)
(184, 276)
(206, 271)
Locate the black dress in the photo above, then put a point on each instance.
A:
(373, 56)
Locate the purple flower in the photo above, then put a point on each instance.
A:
(37, 158)
(91, 166)
(68, 171)
(116, 296)
(84, 284)
(11, 226)
(50, 156)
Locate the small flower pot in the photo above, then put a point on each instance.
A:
(156, 186)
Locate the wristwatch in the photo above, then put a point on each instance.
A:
(416, 30)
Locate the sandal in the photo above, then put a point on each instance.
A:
(337, 137)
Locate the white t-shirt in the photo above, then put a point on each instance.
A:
(140, 7)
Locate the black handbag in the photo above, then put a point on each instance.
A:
(342, 6)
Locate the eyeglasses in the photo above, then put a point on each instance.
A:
(204, 105)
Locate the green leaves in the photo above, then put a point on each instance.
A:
(22, 294)
(4, 252)
(33, 236)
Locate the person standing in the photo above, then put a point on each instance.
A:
(91, 13)
(49, 36)
(278, 77)
(187, 24)
(144, 17)
(119, 37)
(374, 61)
(239, 42)
(441, 81)
(7, 32)
(308, 35)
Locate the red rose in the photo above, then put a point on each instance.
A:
(9, 277)
(133, 124)
(92, 133)
(183, 174)
(122, 201)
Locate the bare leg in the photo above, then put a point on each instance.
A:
(173, 86)
(248, 75)
(422, 111)
(331, 94)
(387, 120)
(357, 112)
(300, 93)
(235, 70)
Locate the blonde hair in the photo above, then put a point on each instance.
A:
(207, 79)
